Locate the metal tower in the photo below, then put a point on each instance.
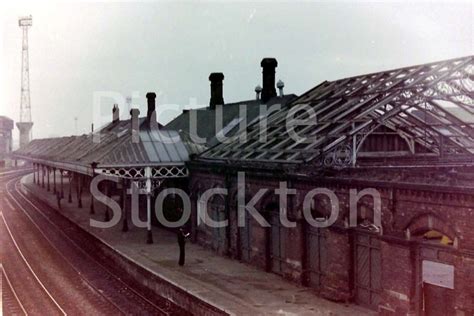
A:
(25, 124)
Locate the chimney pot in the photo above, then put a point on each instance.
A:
(150, 96)
(134, 113)
(217, 97)
(216, 76)
(268, 78)
(115, 113)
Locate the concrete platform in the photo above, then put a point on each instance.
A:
(229, 285)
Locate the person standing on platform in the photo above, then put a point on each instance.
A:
(181, 242)
(58, 198)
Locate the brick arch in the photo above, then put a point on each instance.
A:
(317, 211)
(365, 211)
(429, 221)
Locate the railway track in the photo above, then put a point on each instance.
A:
(11, 303)
(32, 272)
(5, 176)
(106, 282)
(14, 172)
(21, 268)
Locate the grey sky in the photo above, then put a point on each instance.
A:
(170, 48)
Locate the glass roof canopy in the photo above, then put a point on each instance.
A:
(430, 105)
(113, 150)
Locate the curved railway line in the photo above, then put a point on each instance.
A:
(11, 303)
(111, 293)
(30, 269)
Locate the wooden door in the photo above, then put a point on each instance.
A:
(276, 243)
(315, 256)
(219, 233)
(367, 270)
(435, 300)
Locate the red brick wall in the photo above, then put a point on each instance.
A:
(464, 281)
(292, 267)
(336, 280)
(416, 210)
(397, 277)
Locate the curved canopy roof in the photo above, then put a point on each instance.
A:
(112, 147)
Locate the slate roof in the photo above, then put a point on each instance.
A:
(206, 118)
(429, 104)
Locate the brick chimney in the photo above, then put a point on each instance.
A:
(135, 125)
(115, 113)
(268, 78)
(150, 97)
(217, 97)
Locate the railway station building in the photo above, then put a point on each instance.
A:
(406, 134)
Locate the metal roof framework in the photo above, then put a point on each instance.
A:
(430, 105)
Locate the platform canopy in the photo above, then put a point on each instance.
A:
(430, 107)
(115, 150)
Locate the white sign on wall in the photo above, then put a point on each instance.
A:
(439, 274)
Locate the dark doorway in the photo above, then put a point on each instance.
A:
(246, 239)
(435, 299)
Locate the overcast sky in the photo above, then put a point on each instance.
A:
(80, 49)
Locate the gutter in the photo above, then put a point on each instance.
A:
(86, 170)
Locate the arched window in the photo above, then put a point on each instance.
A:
(365, 219)
(428, 228)
(434, 237)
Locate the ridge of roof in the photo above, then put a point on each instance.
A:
(406, 67)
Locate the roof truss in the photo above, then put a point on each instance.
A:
(431, 105)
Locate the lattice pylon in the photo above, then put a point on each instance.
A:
(25, 124)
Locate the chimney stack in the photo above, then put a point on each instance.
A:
(217, 97)
(268, 78)
(150, 97)
(135, 113)
(115, 113)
